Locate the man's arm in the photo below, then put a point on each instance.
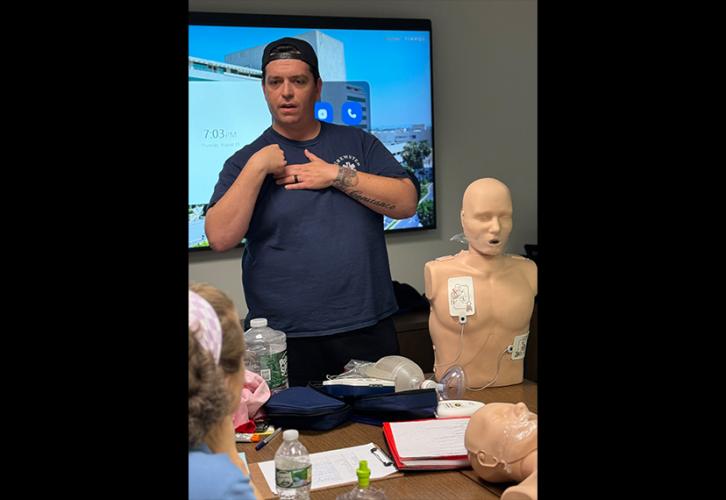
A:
(390, 196)
(227, 222)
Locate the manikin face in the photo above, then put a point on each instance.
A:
(486, 216)
(501, 433)
(291, 91)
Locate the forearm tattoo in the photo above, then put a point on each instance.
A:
(358, 195)
(347, 177)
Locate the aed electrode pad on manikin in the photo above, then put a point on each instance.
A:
(461, 297)
(462, 304)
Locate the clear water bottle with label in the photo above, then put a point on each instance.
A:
(266, 354)
(293, 472)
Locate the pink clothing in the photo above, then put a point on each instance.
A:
(255, 393)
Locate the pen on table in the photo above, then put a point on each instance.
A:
(269, 438)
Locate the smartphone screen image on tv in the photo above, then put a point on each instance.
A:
(376, 76)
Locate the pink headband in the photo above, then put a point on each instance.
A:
(203, 320)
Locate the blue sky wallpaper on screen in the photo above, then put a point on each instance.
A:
(380, 79)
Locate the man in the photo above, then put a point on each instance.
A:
(482, 299)
(309, 197)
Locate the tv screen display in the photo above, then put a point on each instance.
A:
(376, 76)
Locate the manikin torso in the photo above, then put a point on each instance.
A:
(504, 287)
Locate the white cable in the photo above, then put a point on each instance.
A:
(495, 375)
(509, 348)
(461, 346)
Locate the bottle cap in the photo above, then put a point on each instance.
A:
(290, 435)
(363, 473)
(258, 322)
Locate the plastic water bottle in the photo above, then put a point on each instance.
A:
(267, 354)
(293, 472)
(363, 491)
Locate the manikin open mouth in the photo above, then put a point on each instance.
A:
(494, 242)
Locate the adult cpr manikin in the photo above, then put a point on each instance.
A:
(501, 439)
(482, 299)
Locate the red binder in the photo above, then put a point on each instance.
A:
(428, 457)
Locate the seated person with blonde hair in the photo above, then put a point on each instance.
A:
(255, 391)
(215, 468)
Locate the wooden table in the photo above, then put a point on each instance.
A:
(414, 484)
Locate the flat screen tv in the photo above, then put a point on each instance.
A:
(376, 75)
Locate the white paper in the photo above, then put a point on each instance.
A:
(430, 438)
(335, 467)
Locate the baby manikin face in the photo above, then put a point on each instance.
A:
(486, 216)
(502, 433)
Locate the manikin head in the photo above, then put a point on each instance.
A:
(486, 216)
(499, 437)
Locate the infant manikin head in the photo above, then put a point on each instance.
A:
(486, 216)
(501, 439)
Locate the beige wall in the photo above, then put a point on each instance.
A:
(485, 118)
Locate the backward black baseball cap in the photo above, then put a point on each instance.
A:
(291, 48)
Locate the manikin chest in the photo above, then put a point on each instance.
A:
(504, 300)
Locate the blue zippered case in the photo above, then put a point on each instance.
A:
(371, 407)
(405, 405)
(306, 408)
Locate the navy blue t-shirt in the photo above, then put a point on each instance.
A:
(315, 262)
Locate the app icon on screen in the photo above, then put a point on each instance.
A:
(352, 113)
(324, 111)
